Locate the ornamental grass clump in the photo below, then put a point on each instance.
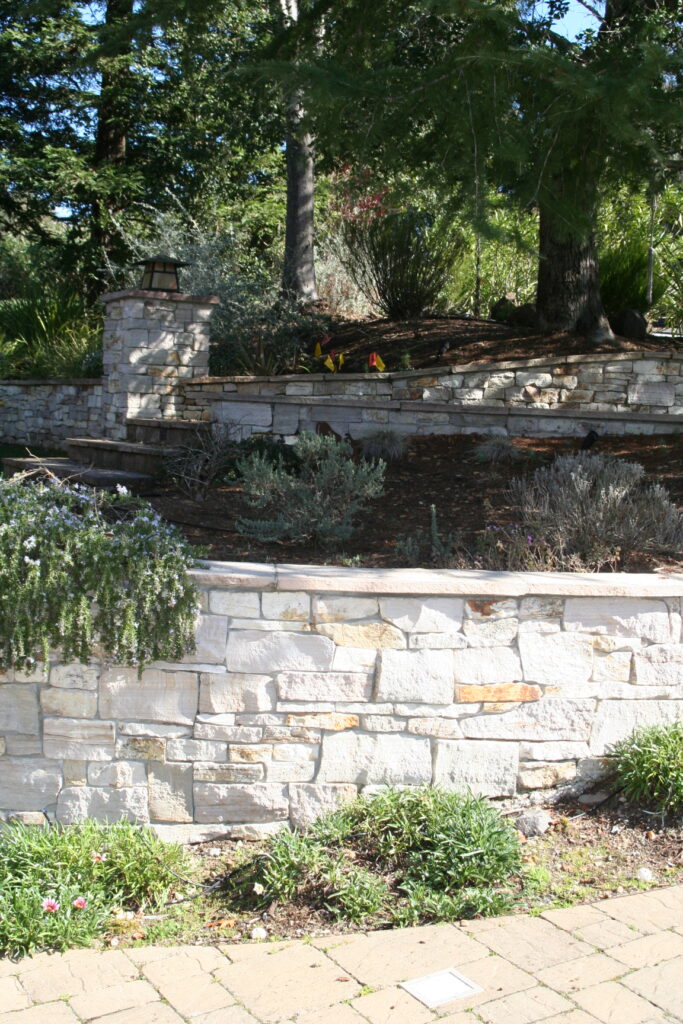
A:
(80, 567)
(59, 887)
(647, 767)
(401, 857)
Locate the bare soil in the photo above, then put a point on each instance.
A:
(469, 495)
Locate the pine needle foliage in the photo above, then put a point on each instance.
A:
(80, 567)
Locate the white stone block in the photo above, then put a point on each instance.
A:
(660, 665)
(117, 774)
(70, 703)
(416, 676)
(614, 667)
(215, 729)
(616, 719)
(324, 686)
(236, 603)
(288, 606)
(423, 615)
(290, 771)
(308, 802)
(354, 659)
(18, 708)
(619, 616)
(387, 758)
(80, 677)
(196, 750)
(76, 803)
(487, 769)
(436, 641)
(556, 658)
(28, 784)
(253, 651)
(238, 803)
(496, 633)
(211, 637)
(651, 394)
(344, 609)
(234, 692)
(555, 751)
(383, 723)
(78, 739)
(154, 729)
(487, 665)
(445, 728)
(159, 696)
(296, 751)
(170, 792)
(375, 635)
(544, 720)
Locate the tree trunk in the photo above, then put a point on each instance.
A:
(568, 293)
(298, 273)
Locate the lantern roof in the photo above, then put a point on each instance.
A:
(160, 259)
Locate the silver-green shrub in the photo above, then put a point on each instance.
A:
(385, 444)
(80, 568)
(319, 500)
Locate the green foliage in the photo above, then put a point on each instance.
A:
(115, 867)
(623, 278)
(648, 767)
(401, 261)
(319, 501)
(401, 857)
(429, 547)
(496, 450)
(49, 332)
(80, 567)
(386, 444)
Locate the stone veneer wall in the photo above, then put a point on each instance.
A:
(635, 392)
(312, 683)
(44, 412)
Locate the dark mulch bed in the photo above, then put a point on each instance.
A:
(435, 470)
(468, 341)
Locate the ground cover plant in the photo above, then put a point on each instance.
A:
(80, 567)
(647, 767)
(60, 887)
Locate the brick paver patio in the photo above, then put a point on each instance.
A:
(619, 961)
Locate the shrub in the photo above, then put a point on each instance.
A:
(195, 467)
(648, 767)
(79, 567)
(497, 449)
(321, 500)
(87, 871)
(400, 261)
(623, 277)
(384, 444)
(403, 856)
(596, 508)
(50, 332)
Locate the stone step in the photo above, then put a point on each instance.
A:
(131, 456)
(164, 432)
(64, 468)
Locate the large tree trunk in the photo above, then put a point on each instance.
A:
(298, 273)
(568, 292)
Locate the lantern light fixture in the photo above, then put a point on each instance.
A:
(160, 273)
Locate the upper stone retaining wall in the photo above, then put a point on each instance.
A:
(47, 411)
(635, 392)
(312, 683)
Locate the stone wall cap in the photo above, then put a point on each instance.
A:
(36, 382)
(473, 583)
(139, 293)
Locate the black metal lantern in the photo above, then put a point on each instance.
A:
(160, 273)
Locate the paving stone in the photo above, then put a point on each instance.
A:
(533, 943)
(117, 997)
(12, 995)
(297, 979)
(48, 1013)
(523, 1007)
(152, 1013)
(605, 934)
(228, 1015)
(611, 1003)
(384, 958)
(581, 973)
(661, 985)
(649, 951)
(571, 918)
(496, 977)
(73, 973)
(392, 1006)
(193, 994)
(572, 1017)
(649, 911)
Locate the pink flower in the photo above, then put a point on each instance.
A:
(80, 903)
(98, 858)
(50, 906)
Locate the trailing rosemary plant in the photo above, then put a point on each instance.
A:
(80, 568)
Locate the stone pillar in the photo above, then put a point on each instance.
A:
(153, 342)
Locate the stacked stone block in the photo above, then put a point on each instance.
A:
(46, 412)
(297, 699)
(152, 342)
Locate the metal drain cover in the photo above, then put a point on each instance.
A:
(441, 987)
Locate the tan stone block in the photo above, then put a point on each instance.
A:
(254, 753)
(545, 775)
(605, 934)
(367, 634)
(329, 722)
(649, 912)
(238, 1015)
(145, 748)
(611, 1003)
(117, 997)
(571, 918)
(532, 943)
(70, 703)
(649, 950)
(392, 1005)
(661, 985)
(48, 1013)
(581, 973)
(298, 979)
(74, 973)
(78, 739)
(517, 692)
(12, 995)
(523, 1007)
(151, 1013)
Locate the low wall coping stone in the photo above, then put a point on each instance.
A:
(36, 382)
(139, 293)
(481, 583)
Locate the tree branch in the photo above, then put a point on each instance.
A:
(593, 10)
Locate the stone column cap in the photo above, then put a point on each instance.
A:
(139, 293)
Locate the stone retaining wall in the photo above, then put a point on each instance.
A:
(44, 412)
(311, 683)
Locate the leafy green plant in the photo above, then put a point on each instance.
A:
(429, 547)
(80, 567)
(321, 500)
(60, 886)
(50, 332)
(400, 857)
(623, 277)
(648, 766)
(401, 260)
